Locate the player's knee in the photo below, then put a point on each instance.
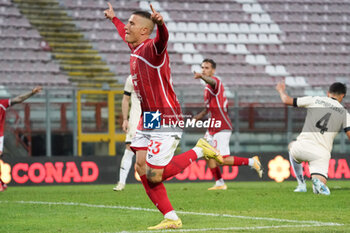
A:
(154, 177)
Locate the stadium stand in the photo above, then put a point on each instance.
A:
(250, 40)
(53, 30)
(24, 60)
(256, 43)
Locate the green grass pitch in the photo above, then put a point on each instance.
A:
(244, 207)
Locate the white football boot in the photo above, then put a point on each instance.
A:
(119, 187)
(320, 187)
(301, 188)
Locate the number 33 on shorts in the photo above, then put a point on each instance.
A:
(154, 147)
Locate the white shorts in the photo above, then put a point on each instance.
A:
(1, 143)
(317, 156)
(160, 146)
(221, 141)
(131, 133)
(133, 122)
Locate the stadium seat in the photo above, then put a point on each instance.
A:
(203, 27)
(272, 38)
(189, 48)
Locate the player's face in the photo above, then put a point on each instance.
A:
(133, 29)
(207, 69)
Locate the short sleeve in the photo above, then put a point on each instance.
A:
(5, 103)
(217, 85)
(128, 87)
(304, 102)
(206, 97)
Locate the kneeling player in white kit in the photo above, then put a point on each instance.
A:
(325, 117)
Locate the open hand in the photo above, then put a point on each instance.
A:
(37, 89)
(125, 126)
(197, 75)
(281, 86)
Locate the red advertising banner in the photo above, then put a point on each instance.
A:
(105, 169)
(59, 170)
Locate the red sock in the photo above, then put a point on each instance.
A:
(216, 173)
(179, 163)
(239, 161)
(158, 195)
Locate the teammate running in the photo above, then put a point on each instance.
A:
(216, 105)
(4, 104)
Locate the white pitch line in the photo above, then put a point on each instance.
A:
(225, 229)
(313, 223)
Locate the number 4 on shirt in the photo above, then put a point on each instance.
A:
(323, 122)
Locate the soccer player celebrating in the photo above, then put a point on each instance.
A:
(216, 105)
(129, 127)
(325, 117)
(4, 104)
(150, 70)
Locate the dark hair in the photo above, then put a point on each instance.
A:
(337, 88)
(143, 14)
(211, 61)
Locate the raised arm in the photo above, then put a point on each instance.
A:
(23, 97)
(109, 13)
(286, 99)
(206, 79)
(161, 39)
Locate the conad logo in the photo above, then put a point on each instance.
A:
(59, 172)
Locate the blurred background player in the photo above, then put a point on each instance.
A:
(150, 70)
(325, 117)
(216, 105)
(4, 104)
(129, 127)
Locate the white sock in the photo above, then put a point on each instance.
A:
(199, 151)
(220, 182)
(251, 162)
(171, 215)
(125, 165)
(298, 170)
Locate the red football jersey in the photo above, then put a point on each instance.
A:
(150, 70)
(216, 102)
(4, 104)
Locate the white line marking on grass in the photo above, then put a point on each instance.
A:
(223, 229)
(304, 223)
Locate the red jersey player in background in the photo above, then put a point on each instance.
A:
(4, 104)
(216, 105)
(150, 70)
